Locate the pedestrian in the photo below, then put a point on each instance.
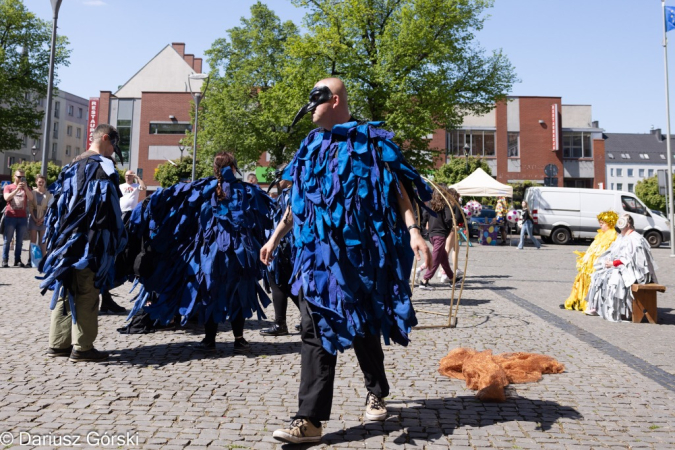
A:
(201, 241)
(451, 243)
(84, 235)
(355, 240)
(18, 196)
(440, 226)
(528, 224)
(500, 218)
(252, 178)
(38, 208)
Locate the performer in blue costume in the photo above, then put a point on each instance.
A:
(84, 235)
(355, 239)
(199, 256)
(281, 267)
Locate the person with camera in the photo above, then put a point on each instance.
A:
(18, 196)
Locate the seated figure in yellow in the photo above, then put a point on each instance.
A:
(585, 260)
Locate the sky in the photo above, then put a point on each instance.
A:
(608, 54)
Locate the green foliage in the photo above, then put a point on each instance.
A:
(169, 174)
(647, 190)
(25, 41)
(456, 170)
(413, 63)
(519, 191)
(33, 169)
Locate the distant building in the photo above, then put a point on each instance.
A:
(523, 136)
(634, 157)
(152, 110)
(67, 138)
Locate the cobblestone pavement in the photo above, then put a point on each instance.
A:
(617, 390)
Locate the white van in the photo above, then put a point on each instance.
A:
(561, 214)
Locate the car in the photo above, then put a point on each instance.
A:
(485, 216)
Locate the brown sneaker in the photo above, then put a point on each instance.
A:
(301, 431)
(375, 408)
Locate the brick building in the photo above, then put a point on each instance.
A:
(523, 135)
(152, 110)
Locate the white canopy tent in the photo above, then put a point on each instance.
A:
(480, 184)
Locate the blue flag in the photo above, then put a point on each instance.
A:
(670, 18)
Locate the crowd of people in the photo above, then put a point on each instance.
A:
(338, 235)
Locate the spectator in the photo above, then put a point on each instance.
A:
(130, 192)
(18, 196)
(38, 208)
(252, 178)
(528, 224)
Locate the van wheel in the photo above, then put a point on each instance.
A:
(654, 238)
(561, 236)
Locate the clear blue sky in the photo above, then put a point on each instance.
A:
(602, 53)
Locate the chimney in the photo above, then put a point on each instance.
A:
(179, 47)
(190, 59)
(657, 132)
(595, 124)
(197, 66)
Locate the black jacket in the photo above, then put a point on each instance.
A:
(442, 224)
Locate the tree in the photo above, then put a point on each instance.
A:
(519, 190)
(647, 190)
(25, 42)
(413, 63)
(33, 169)
(169, 174)
(456, 170)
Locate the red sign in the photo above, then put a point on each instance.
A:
(92, 121)
(554, 127)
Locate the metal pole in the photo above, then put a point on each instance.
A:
(56, 4)
(197, 97)
(669, 155)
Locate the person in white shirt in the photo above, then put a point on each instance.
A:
(130, 191)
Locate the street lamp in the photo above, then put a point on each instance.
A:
(195, 83)
(34, 151)
(56, 4)
(182, 149)
(466, 156)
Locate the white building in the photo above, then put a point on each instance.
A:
(633, 157)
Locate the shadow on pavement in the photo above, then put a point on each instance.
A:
(436, 418)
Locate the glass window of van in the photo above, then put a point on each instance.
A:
(631, 205)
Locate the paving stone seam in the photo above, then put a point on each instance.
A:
(650, 371)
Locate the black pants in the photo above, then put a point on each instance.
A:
(211, 328)
(280, 294)
(317, 373)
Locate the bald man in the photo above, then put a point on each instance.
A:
(355, 239)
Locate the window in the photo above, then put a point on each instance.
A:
(480, 142)
(631, 187)
(37, 143)
(611, 172)
(78, 132)
(125, 114)
(68, 148)
(27, 96)
(69, 130)
(56, 130)
(619, 172)
(513, 147)
(77, 151)
(612, 186)
(70, 110)
(650, 173)
(629, 173)
(610, 155)
(662, 156)
(41, 102)
(24, 142)
(641, 173)
(169, 128)
(578, 145)
(10, 161)
(57, 107)
(632, 205)
(79, 113)
(54, 148)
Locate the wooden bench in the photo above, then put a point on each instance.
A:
(644, 301)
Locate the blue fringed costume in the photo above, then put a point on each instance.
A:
(84, 228)
(352, 255)
(201, 253)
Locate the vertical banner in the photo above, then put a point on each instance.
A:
(554, 128)
(92, 120)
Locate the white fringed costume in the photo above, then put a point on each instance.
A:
(610, 292)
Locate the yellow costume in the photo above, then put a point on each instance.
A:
(586, 260)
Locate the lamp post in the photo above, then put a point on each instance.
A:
(195, 83)
(33, 151)
(56, 4)
(466, 156)
(182, 149)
